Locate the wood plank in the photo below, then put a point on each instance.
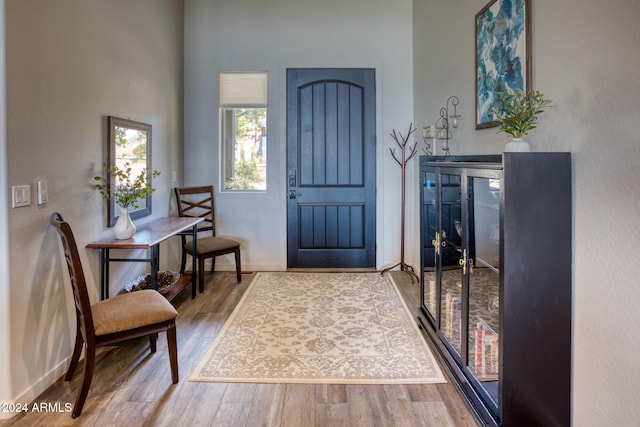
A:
(368, 406)
(267, 406)
(231, 415)
(456, 406)
(404, 415)
(299, 408)
(331, 393)
(132, 386)
(332, 414)
(433, 414)
(203, 406)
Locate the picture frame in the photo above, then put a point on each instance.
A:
(503, 54)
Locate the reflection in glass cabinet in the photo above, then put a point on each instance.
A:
(484, 282)
(451, 251)
(428, 258)
(461, 267)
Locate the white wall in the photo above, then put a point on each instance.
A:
(273, 36)
(5, 329)
(586, 58)
(69, 65)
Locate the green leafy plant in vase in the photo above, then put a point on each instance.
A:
(518, 112)
(128, 189)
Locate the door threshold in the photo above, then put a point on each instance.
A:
(333, 270)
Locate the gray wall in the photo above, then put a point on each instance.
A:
(69, 65)
(252, 35)
(586, 58)
(5, 319)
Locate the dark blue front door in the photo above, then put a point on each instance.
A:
(331, 175)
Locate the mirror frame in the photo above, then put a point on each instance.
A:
(116, 122)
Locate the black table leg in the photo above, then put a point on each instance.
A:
(155, 264)
(194, 270)
(104, 273)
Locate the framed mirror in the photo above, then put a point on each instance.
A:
(129, 142)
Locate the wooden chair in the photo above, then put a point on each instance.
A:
(114, 320)
(199, 202)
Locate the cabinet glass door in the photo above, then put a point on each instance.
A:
(484, 282)
(451, 302)
(429, 228)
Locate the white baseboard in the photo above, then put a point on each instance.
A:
(231, 266)
(36, 389)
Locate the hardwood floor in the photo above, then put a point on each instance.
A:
(131, 387)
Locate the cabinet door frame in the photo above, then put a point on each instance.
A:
(459, 355)
(468, 197)
(426, 242)
(466, 172)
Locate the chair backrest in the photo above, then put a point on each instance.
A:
(76, 274)
(197, 202)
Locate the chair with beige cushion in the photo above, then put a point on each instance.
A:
(199, 202)
(114, 320)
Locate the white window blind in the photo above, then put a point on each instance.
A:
(243, 89)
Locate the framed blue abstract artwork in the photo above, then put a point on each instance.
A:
(503, 54)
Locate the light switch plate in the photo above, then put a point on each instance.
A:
(20, 196)
(43, 193)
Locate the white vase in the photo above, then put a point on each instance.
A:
(517, 145)
(124, 228)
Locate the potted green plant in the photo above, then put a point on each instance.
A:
(128, 189)
(518, 112)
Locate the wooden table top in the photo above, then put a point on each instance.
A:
(149, 234)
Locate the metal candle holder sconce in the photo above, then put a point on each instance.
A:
(441, 130)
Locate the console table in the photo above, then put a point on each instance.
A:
(149, 237)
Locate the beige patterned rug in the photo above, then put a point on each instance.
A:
(320, 328)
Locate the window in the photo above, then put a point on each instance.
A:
(243, 130)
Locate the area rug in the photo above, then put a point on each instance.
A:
(320, 328)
